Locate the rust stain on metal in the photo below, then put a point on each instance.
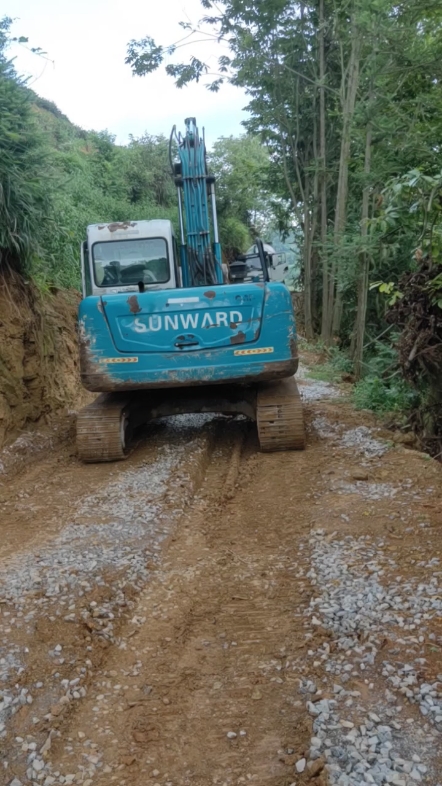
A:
(120, 225)
(98, 381)
(93, 376)
(134, 305)
(233, 325)
(294, 347)
(238, 338)
(210, 294)
(279, 369)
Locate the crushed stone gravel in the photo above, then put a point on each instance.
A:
(369, 739)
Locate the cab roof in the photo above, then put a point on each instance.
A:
(157, 227)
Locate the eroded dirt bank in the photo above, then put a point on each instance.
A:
(38, 355)
(205, 614)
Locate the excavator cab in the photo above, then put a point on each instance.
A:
(130, 256)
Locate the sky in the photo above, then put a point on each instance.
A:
(89, 80)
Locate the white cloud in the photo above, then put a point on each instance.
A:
(89, 80)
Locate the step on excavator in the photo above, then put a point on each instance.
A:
(167, 328)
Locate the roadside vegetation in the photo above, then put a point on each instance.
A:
(381, 389)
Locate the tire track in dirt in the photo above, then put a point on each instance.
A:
(40, 498)
(205, 691)
(65, 595)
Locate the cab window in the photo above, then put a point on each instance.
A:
(129, 262)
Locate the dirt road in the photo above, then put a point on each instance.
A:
(205, 614)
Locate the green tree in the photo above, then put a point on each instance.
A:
(240, 165)
(148, 172)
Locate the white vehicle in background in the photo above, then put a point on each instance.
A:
(277, 262)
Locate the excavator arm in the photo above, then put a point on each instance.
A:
(201, 261)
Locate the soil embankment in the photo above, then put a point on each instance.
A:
(38, 355)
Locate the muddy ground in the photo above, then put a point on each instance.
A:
(206, 614)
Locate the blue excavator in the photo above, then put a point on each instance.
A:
(167, 328)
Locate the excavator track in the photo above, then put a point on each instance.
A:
(279, 417)
(103, 429)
